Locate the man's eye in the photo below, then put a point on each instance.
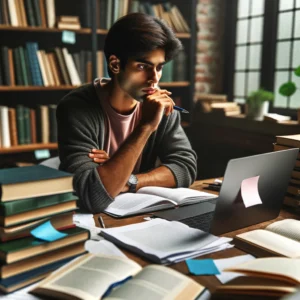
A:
(142, 67)
(159, 68)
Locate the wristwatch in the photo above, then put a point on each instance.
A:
(132, 183)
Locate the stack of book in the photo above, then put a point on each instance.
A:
(41, 199)
(285, 142)
(225, 108)
(68, 22)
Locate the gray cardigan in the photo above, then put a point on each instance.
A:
(81, 127)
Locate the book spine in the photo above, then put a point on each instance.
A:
(13, 126)
(26, 120)
(50, 9)
(29, 13)
(5, 63)
(53, 124)
(4, 122)
(20, 124)
(33, 126)
(23, 66)
(37, 12)
(17, 64)
(34, 66)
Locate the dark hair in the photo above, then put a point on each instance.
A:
(136, 34)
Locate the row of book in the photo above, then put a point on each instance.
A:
(23, 125)
(25, 13)
(109, 11)
(285, 142)
(29, 66)
(37, 232)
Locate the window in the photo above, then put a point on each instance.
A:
(264, 50)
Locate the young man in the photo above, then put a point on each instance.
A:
(110, 139)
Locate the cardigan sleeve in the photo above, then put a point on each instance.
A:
(175, 152)
(79, 126)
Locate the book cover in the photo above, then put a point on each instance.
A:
(289, 140)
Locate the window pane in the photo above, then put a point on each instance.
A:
(242, 31)
(280, 78)
(239, 100)
(239, 84)
(256, 29)
(243, 8)
(255, 57)
(258, 7)
(286, 4)
(296, 56)
(295, 99)
(253, 81)
(240, 58)
(285, 25)
(297, 24)
(297, 3)
(283, 55)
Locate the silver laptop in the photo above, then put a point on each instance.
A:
(252, 192)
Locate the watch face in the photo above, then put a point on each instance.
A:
(133, 179)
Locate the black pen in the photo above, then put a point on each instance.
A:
(101, 222)
(180, 109)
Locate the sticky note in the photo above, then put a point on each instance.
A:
(68, 37)
(41, 154)
(47, 232)
(202, 267)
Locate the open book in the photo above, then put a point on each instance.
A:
(281, 238)
(154, 198)
(271, 276)
(93, 277)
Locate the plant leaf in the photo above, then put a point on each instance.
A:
(297, 71)
(287, 89)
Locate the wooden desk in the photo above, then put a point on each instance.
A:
(211, 282)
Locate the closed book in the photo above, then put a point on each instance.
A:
(18, 68)
(53, 123)
(50, 10)
(23, 66)
(60, 222)
(167, 72)
(22, 12)
(45, 124)
(289, 140)
(8, 270)
(11, 67)
(43, 68)
(20, 124)
(27, 65)
(33, 126)
(26, 120)
(5, 65)
(29, 204)
(38, 115)
(29, 13)
(180, 64)
(13, 126)
(50, 57)
(102, 14)
(6, 20)
(4, 127)
(34, 66)
(62, 65)
(37, 12)
(33, 181)
(38, 213)
(22, 280)
(295, 174)
(291, 200)
(75, 80)
(12, 10)
(43, 13)
(20, 249)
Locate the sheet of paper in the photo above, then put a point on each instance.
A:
(202, 267)
(249, 191)
(87, 221)
(224, 263)
(103, 247)
(47, 232)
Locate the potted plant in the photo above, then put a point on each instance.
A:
(257, 104)
(289, 88)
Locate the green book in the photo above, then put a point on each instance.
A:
(20, 249)
(23, 65)
(33, 181)
(26, 124)
(20, 124)
(29, 204)
(167, 72)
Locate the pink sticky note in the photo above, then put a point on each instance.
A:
(249, 191)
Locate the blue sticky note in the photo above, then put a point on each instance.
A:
(43, 153)
(202, 267)
(47, 232)
(68, 37)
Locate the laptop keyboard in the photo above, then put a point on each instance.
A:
(202, 222)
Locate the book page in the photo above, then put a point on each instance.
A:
(179, 195)
(130, 203)
(272, 241)
(157, 282)
(289, 228)
(286, 269)
(89, 277)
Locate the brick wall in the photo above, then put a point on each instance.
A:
(208, 73)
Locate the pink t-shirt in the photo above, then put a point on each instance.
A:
(119, 126)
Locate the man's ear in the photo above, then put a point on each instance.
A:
(114, 64)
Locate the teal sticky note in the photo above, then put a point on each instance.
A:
(202, 267)
(68, 37)
(47, 232)
(41, 154)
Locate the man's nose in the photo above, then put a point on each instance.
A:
(154, 76)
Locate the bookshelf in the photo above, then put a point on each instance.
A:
(89, 41)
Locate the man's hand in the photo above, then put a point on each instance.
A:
(98, 156)
(154, 106)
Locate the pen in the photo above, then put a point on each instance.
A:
(101, 222)
(181, 109)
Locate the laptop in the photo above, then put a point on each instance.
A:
(252, 192)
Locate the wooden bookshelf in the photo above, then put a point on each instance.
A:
(21, 88)
(27, 148)
(42, 29)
